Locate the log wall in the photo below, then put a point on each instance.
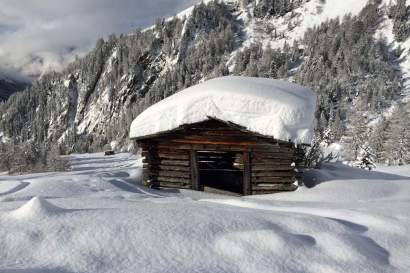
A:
(269, 165)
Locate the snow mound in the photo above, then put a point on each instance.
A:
(269, 107)
(36, 207)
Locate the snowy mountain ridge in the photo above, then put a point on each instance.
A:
(9, 86)
(94, 100)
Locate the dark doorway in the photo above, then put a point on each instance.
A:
(220, 172)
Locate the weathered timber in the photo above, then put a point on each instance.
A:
(274, 154)
(170, 156)
(174, 180)
(265, 173)
(176, 174)
(273, 151)
(269, 167)
(273, 180)
(167, 162)
(166, 184)
(194, 170)
(275, 187)
(227, 133)
(278, 161)
(202, 154)
(247, 188)
(172, 168)
(219, 138)
(214, 142)
(235, 147)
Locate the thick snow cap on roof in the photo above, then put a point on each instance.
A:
(273, 108)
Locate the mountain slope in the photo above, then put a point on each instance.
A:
(347, 62)
(9, 86)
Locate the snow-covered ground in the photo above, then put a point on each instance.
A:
(92, 220)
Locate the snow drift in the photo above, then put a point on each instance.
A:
(36, 207)
(269, 107)
(351, 221)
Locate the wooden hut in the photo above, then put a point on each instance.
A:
(215, 154)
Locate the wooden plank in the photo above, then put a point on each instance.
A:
(167, 162)
(273, 180)
(273, 151)
(220, 138)
(199, 147)
(171, 156)
(174, 180)
(215, 145)
(231, 133)
(175, 174)
(175, 162)
(273, 154)
(213, 142)
(168, 145)
(275, 187)
(171, 150)
(247, 188)
(194, 171)
(256, 168)
(174, 185)
(274, 174)
(172, 168)
(272, 162)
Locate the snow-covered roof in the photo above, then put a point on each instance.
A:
(273, 108)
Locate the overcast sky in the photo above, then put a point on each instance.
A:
(38, 35)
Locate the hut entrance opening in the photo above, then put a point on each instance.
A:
(221, 172)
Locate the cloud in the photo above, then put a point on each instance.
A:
(41, 35)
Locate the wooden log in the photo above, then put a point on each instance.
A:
(256, 168)
(168, 145)
(272, 162)
(174, 180)
(172, 168)
(213, 142)
(168, 162)
(175, 162)
(211, 145)
(270, 148)
(171, 150)
(161, 155)
(273, 151)
(274, 156)
(278, 158)
(230, 133)
(273, 180)
(274, 187)
(194, 171)
(174, 185)
(221, 138)
(273, 174)
(247, 188)
(176, 174)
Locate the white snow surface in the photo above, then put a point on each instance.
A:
(92, 219)
(279, 109)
